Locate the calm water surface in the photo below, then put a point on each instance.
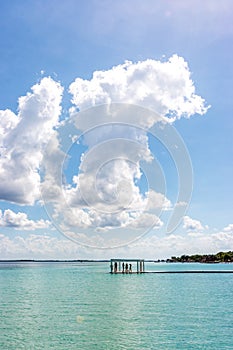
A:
(81, 306)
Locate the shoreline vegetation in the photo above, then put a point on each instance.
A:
(220, 257)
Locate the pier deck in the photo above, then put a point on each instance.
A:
(137, 266)
(173, 272)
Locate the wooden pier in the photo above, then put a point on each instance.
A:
(127, 266)
(137, 266)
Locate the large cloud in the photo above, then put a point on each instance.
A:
(23, 138)
(165, 87)
(110, 168)
(105, 194)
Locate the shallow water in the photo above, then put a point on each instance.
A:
(81, 306)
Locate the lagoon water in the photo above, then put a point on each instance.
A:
(81, 306)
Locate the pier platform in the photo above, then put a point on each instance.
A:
(127, 266)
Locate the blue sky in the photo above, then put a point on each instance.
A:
(73, 39)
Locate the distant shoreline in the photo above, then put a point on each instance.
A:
(55, 261)
(68, 261)
(221, 257)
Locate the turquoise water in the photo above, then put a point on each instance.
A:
(82, 306)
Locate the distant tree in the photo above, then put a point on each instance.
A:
(227, 257)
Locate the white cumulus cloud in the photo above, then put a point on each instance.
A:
(20, 221)
(228, 228)
(190, 224)
(165, 87)
(23, 139)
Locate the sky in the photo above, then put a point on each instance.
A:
(115, 128)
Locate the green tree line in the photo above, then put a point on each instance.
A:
(206, 258)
